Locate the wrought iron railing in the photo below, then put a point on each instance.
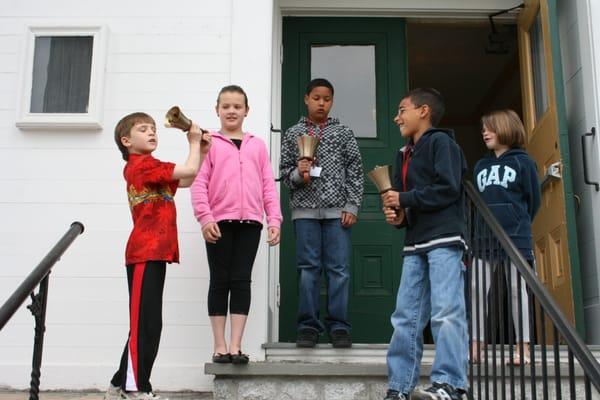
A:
(517, 302)
(39, 276)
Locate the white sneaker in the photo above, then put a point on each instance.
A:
(143, 396)
(114, 393)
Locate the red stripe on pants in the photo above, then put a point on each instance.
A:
(134, 315)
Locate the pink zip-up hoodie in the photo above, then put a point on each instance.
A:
(236, 184)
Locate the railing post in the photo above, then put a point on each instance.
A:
(38, 310)
(38, 276)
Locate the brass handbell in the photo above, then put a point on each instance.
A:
(380, 175)
(176, 119)
(307, 145)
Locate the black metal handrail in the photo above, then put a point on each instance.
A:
(39, 276)
(491, 246)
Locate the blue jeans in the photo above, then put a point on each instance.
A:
(323, 244)
(432, 284)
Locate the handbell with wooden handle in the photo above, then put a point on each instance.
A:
(177, 119)
(307, 146)
(380, 176)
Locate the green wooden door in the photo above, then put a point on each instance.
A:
(366, 62)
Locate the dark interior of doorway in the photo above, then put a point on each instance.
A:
(452, 57)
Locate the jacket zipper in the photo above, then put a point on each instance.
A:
(241, 180)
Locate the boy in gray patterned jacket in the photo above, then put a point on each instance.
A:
(323, 210)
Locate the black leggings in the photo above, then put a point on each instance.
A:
(230, 261)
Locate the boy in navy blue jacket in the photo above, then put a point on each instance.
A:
(429, 203)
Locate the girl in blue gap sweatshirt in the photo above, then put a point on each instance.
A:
(507, 180)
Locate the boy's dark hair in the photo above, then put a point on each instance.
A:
(318, 82)
(235, 89)
(432, 98)
(123, 129)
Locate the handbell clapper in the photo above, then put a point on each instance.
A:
(176, 119)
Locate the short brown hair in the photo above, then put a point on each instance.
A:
(123, 129)
(507, 125)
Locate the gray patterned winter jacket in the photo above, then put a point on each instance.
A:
(340, 186)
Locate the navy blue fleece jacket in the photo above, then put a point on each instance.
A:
(433, 195)
(510, 187)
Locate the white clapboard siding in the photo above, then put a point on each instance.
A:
(8, 62)
(181, 63)
(9, 44)
(129, 10)
(171, 44)
(157, 56)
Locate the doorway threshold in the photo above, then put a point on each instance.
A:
(359, 353)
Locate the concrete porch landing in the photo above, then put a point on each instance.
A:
(56, 395)
(359, 373)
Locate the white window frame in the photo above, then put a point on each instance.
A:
(91, 120)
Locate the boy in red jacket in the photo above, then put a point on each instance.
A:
(151, 185)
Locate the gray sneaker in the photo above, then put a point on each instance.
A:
(437, 391)
(143, 396)
(114, 393)
(395, 395)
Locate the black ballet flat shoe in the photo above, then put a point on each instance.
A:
(220, 358)
(239, 358)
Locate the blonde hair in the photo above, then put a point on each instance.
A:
(507, 125)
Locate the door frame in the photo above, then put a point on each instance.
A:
(556, 117)
(475, 11)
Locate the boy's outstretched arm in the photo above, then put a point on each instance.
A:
(199, 146)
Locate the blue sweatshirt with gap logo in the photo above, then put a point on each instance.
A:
(510, 187)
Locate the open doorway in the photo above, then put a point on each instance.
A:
(455, 58)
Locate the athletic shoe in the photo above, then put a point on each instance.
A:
(395, 395)
(437, 391)
(114, 393)
(340, 339)
(307, 338)
(143, 396)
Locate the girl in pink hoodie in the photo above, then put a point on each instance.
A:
(233, 190)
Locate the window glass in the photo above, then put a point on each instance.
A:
(61, 74)
(351, 71)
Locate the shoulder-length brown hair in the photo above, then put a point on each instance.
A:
(507, 125)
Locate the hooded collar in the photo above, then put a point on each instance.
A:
(508, 153)
(413, 146)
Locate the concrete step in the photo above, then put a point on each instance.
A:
(358, 373)
(358, 353)
(95, 395)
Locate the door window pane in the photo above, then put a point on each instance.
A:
(351, 71)
(538, 64)
(62, 68)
